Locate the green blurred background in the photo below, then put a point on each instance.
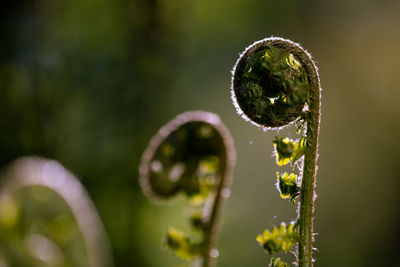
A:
(89, 82)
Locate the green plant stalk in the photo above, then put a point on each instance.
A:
(211, 238)
(307, 193)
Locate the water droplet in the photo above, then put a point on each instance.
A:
(214, 253)
(156, 166)
(226, 192)
(176, 171)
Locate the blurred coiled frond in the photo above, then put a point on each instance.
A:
(48, 219)
(192, 155)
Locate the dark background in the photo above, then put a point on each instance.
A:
(89, 82)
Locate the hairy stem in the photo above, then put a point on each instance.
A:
(307, 194)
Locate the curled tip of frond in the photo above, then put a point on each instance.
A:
(33, 172)
(271, 82)
(193, 153)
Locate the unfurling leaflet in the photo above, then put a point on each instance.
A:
(275, 84)
(181, 244)
(288, 185)
(280, 239)
(277, 263)
(287, 150)
(192, 155)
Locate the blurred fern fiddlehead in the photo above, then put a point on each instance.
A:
(193, 154)
(275, 83)
(47, 218)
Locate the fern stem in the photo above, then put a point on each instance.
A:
(210, 253)
(307, 193)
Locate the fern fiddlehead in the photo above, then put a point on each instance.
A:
(194, 155)
(275, 83)
(48, 219)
